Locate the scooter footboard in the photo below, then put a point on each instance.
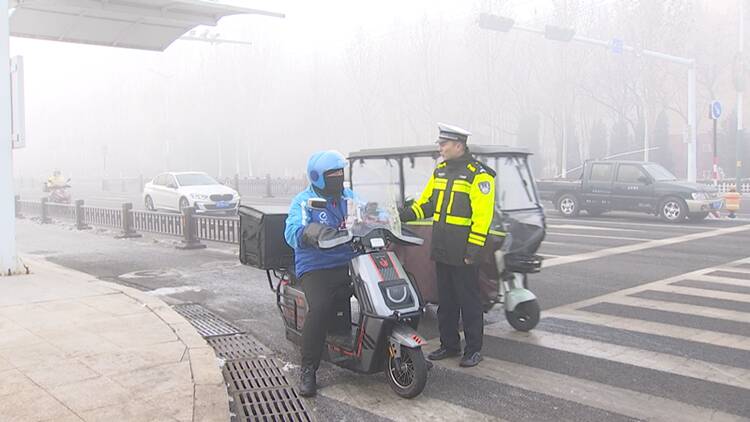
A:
(407, 336)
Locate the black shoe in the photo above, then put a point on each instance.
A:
(307, 385)
(443, 353)
(470, 360)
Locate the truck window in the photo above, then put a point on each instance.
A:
(601, 172)
(628, 173)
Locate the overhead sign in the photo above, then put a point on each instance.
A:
(714, 111)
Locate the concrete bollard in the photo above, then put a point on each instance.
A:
(45, 212)
(127, 223)
(190, 240)
(80, 217)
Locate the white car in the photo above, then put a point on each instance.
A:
(176, 191)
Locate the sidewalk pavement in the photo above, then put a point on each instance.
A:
(73, 348)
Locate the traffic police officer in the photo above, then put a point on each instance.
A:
(460, 198)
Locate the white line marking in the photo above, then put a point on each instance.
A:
(594, 236)
(642, 246)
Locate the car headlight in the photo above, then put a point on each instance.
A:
(199, 196)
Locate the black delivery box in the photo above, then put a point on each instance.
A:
(262, 243)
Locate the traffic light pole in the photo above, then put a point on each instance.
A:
(740, 141)
(690, 63)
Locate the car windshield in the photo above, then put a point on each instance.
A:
(658, 172)
(196, 179)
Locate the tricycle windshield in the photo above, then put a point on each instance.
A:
(363, 218)
(515, 185)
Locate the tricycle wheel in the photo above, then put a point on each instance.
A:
(408, 377)
(525, 317)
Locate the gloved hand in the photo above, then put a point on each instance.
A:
(406, 214)
(313, 231)
(472, 254)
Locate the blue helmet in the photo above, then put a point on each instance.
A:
(321, 162)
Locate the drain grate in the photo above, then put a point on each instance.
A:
(240, 346)
(251, 374)
(281, 404)
(207, 323)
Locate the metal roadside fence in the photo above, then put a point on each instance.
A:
(192, 228)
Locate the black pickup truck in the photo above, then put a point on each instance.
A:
(630, 186)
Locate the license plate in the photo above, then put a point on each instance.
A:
(222, 204)
(716, 205)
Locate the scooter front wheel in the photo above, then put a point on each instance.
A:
(525, 316)
(407, 375)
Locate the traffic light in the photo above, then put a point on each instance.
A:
(495, 23)
(558, 33)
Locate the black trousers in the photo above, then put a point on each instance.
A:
(459, 296)
(323, 290)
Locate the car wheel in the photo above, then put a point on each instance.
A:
(149, 203)
(184, 203)
(673, 210)
(568, 205)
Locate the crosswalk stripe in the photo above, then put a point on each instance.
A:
(646, 359)
(596, 236)
(657, 328)
(643, 246)
(720, 279)
(380, 400)
(682, 308)
(709, 293)
(581, 227)
(591, 393)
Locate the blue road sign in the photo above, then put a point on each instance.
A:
(715, 110)
(617, 45)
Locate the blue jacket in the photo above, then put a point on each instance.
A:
(308, 258)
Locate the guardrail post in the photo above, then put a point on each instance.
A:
(127, 223)
(45, 212)
(80, 220)
(189, 231)
(18, 206)
(268, 186)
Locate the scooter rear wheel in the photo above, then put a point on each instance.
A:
(409, 378)
(525, 316)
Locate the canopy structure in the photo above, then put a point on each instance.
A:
(141, 24)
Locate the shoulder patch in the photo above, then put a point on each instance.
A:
(485, 187)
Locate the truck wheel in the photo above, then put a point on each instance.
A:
(568, 205)
(673, 210)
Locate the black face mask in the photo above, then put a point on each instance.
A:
(334, 184)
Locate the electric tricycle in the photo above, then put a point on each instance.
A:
(517, 231)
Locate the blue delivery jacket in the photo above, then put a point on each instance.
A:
(309, 258)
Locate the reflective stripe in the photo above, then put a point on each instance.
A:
(497, 233)
(471, 167)
(458, 221)
(478, 235)
(472, 236)
(418, 213)
(419, 223)
(476, 242)
(450, 203)
(439, 203)
(461, 186)
(440, 184)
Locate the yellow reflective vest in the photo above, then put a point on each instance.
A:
(460, 198)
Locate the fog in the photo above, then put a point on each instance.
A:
(348, 75)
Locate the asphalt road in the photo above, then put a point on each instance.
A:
(641, 320)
